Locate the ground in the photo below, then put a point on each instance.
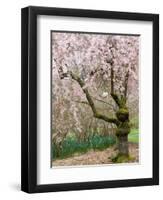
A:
(96, 157)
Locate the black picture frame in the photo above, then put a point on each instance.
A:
(29, 99)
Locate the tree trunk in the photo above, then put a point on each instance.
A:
(122, 132)
(122, 145)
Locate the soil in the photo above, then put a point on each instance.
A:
(97, 157)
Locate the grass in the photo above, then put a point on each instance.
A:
(71, 145)
(134, 136)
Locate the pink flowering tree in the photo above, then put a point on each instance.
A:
(100, 74)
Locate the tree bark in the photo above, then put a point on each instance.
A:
(122, 132)
(123, 145)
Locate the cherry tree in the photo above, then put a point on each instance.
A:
(98, 69)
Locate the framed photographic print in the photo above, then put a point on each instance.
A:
(90, 99)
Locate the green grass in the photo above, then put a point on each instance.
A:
(71, 145)
(134, 136)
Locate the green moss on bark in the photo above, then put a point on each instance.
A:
(123, 129)
(122, 114)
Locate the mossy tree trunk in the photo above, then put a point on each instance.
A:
(123, 145)
(123, 128)
(122, 132)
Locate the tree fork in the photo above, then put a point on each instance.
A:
(91, 103)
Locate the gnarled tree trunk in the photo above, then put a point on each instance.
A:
(123, 145)
(123, 129)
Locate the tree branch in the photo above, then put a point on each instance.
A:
(112, 83)
(83, 102)
(90, 101)
(116, 99)
(86, 103)
(126, 83)
(114, 96)
(102, 101)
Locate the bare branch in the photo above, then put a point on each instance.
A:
(112, 82)
(86, 103)
(126, 83)
(116, 99)
(83, 102)
(114, 96)
(100, 100)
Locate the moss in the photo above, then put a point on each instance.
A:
(123, 110)
(122, 114)
(121, 158)
(123, 129)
